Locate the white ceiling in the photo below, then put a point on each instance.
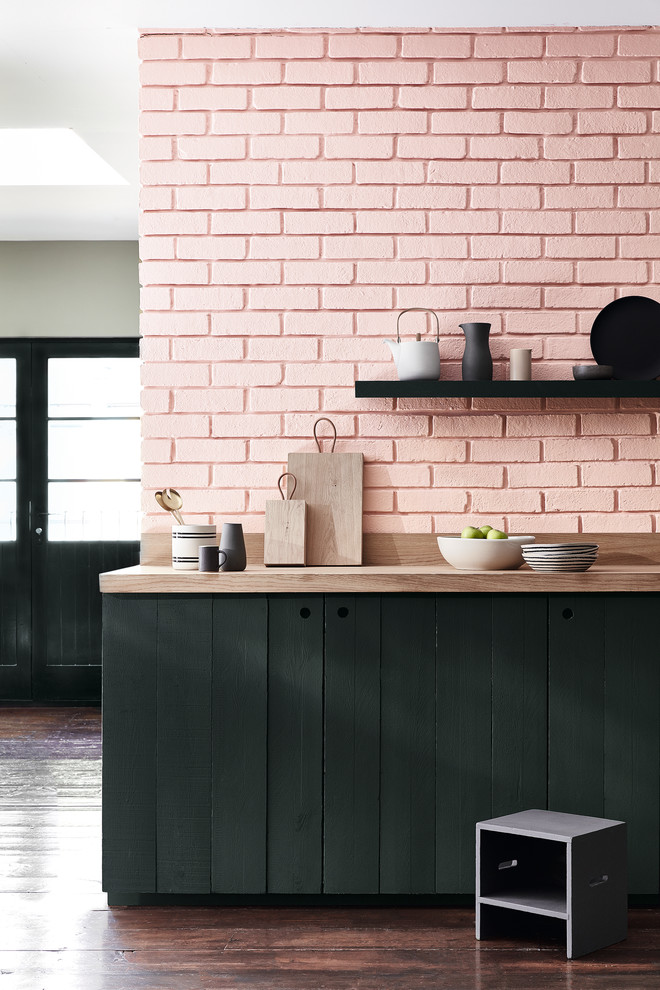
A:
(73, 63)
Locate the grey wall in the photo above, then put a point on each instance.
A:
(69, 289)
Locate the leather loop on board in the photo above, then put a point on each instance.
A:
(334, 430)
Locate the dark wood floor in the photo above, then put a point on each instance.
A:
(57, 932)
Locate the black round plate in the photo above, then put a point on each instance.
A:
(626, 334)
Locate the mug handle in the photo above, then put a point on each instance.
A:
(224, 554)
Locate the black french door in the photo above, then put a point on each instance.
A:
(69, 506)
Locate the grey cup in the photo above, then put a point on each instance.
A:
(477, 363)
(233, 543)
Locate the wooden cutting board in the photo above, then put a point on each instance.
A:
(331, 485)
(284, 528)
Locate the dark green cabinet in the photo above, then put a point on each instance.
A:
(346, 745)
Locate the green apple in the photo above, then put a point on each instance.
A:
(485, 529)
(496, 534)
(472, 533)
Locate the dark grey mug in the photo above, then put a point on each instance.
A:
(233, 544)
(209, 558)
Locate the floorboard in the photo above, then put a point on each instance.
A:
(57, 932)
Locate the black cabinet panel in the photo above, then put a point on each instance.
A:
(295, 744)
(407, 814)
(183, 808)
(352, 745)
(240, 675)
(129, 742)
(604, 739)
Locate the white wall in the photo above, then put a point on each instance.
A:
(69, 289)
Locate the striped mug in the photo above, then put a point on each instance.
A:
(186, 541)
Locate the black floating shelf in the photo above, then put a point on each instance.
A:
(508, 390)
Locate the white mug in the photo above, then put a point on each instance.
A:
(186, 541)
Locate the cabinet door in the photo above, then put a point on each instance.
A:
(407, 815)
(352, 744)
(491, 721)
(240, 675)
(604, 719)
(295, 743)
(183, 804)
(129, 743)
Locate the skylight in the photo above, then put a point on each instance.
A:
(52, 156)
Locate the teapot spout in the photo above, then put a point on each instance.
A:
(394, 347)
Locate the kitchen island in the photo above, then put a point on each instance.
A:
(328, 734)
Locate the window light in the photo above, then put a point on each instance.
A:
(52, 156)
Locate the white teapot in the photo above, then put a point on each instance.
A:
(416, 359)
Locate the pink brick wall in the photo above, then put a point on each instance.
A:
(301, 187)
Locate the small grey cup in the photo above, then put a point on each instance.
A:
(233, 544)
(209, 559)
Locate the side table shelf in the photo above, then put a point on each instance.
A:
(502, 389)
(568, 867)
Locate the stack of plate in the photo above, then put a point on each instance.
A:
(560, 556)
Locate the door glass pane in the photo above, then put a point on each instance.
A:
(94, 386)
(8, 449)
(7, 387)
(90, 449)
(7, 511)
(93, 510)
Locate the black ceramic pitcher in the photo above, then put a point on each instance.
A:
(233, 544)
(477, 363)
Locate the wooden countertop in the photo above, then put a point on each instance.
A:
(379, 578)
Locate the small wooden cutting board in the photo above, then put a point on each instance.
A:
(331, 485)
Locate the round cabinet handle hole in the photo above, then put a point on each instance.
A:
(568, 613)
(342, 612)
(305, 613)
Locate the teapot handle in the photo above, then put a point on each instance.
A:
(418, 309)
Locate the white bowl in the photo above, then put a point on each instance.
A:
(483, 555)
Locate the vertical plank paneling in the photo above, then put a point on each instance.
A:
(295, 743)
(407, 823)
(463, 773)
(129, 743)
(184, 744)
(578, 634)
(352, 744)
(519, 699)
(632, 733)
(240, 675)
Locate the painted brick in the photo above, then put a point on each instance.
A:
(506, 247)
(359, 97)
(358, 146)
(639, 96)
(430, 197)
(173, 223)
(318, 324)
(393, 73)
(245, 324)
(392, 122)
(579, 147)
(522, 222)
(313, 122)
(246, 122)
(611, 122)
(431, 501)
(580, 500)
(177, 122)
(515, 297)
(396, 173)
(210, 198)
(358, 247)
(213, 98)
(578, 97)
(433, 247)
(174, 273)
(391, 272)
(507, 97)
(540, 323)
(158, 46)
(157, 248)
(161, 73)
(207, 148)
(206, 299)
(317, 172)
(468, 73)
(538, 271)
(468, 476)
(463, 173)
(357, 297)
(538, 123)
(247, 272)
(319, 73)
(169, 374)
(248, 222)
(285, 146)
(173, 173)
(207, 349)
(455, 272)
(563, 297)
(433, 97)
(362, 46)
(508, 46)
(578, 197)
(612, 272)
(210, 450)
(580, 45)
(216, 46)
(619, 474)
(631, 424)
(639, 45)
(246, 374)
(246, 74)
(510, 500)
(504, 147)
(463, 222)
(287, 97)
(467, 426)
(644, 146)
(156, 99)
(469, 122)
(172, 324)
(546, 71)
(545, 173)
(397, 222)
(436, 46)
(245, 425)
(156, 148)
(248, 173)
(319, 374)
(610, 222)
(579, 449)
(640, 247)
(318, 272)
(211, 248)
(318, 223)
(542, 476)
(505, 450)
(274, 400)
(289, 46)
(286, 297)
(616, 71)
(579, 247)
(505, 198)
(619, 172)
(540, 426)
(284, 198)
